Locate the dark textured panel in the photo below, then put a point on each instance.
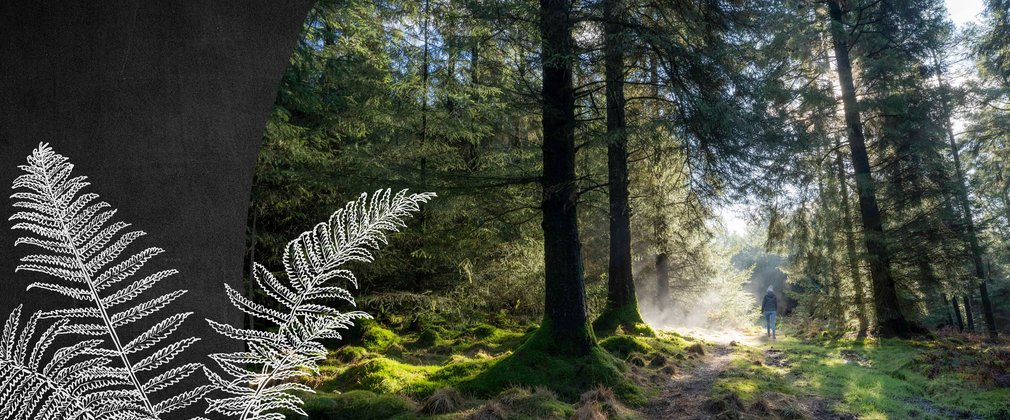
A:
(162, 104)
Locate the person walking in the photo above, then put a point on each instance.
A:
(769, 306)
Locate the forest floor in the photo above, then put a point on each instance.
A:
(954, 376)
(687, 374)
(686, 395)
(693, 395)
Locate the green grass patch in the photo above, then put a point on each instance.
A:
(870, 379)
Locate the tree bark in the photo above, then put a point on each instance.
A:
(565, 301)
(969, 313)
(659, 219)
(662, 280)
(957, 311)
(946, 308)
(969, 221)
(850, 244)
(833, 308)
(890, 320)
(622, 304)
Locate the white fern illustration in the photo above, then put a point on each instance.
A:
(70, 385)
(258, 385)
(80, 249)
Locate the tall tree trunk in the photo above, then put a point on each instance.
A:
(662, 281)
(565, 316)
(969, 313)
(957, 311)
(1005, 195)
(622, 304)
(658, 201)
(969, 220)
(833, 308)
(946, 308)
(421, 273)
(471, 148)
(890, 321)
(850, 244)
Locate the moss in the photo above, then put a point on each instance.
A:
(348, 354)
(375, 338)
(671, 344)
(482, 330)
(358, 405)
(461, 369)
(625, 319)
(540, 406)
(425, 320)
(623, 345)
(383, 375)
(427, 338)
(540, 361)
(489, 339)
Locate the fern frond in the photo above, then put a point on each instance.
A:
(70, 385)
(80, 246)
(312, 261)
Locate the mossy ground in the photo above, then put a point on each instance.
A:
(870, 379)
(622, 320)
(512, 373)
(382, 373)
(535, 363)
(357, 404)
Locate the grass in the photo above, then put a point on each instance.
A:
(870, 379)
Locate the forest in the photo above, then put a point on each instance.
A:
(505, 209)
(619, 182)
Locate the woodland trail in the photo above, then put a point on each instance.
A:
(689, 394)
(686, 395)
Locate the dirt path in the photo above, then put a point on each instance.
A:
(687, 393)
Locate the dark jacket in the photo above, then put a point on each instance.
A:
(770, 303)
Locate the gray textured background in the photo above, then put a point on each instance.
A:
(162, 104)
